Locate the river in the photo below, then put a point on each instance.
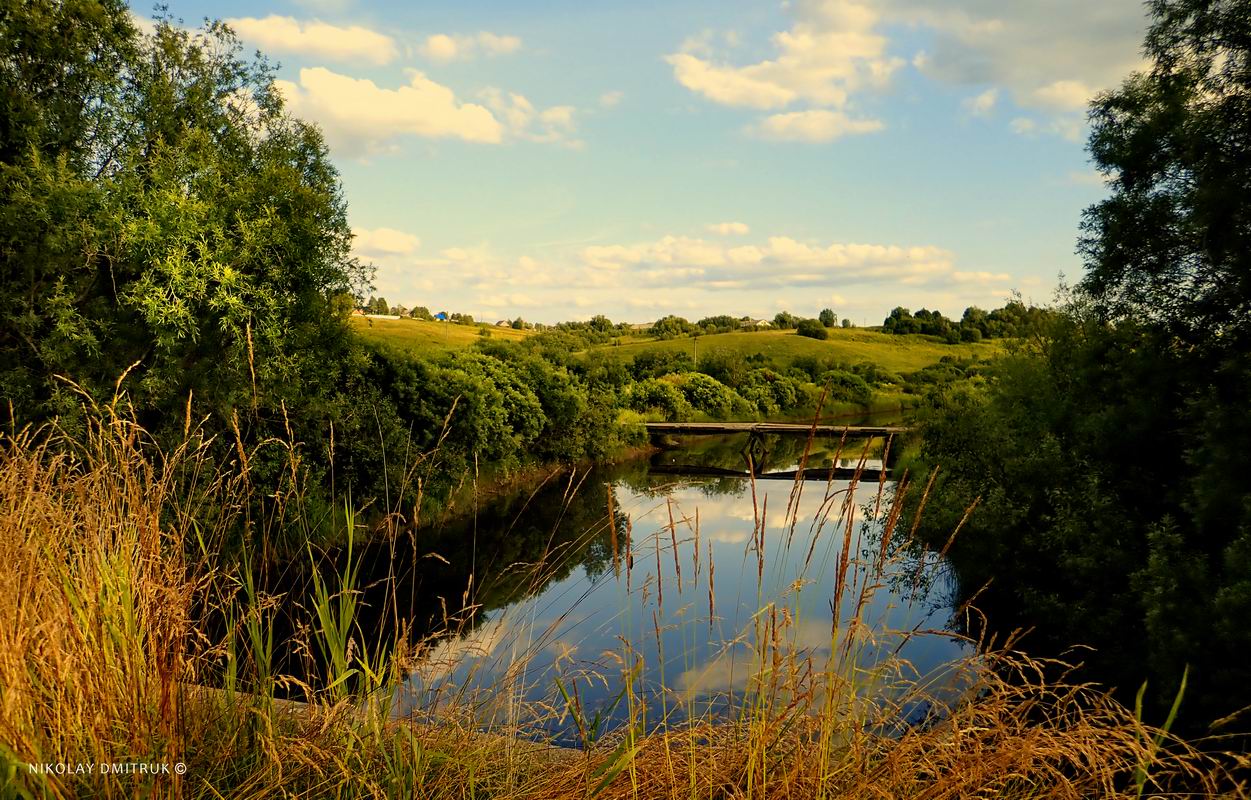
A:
(544, 605)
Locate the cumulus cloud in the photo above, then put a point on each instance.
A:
(980, 105)
(778, 261)
(358, 116)
(680, 274)
(813, 125)
(555, 124)
(1049, 57)
(1023, 125)
(444, 48)
(382, 242)
(277, 34)
(730, 228)
(1062, 96)
(831, 51)
(611, 99)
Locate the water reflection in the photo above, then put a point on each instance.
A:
(682, 589)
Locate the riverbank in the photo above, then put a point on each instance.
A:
(101, 640)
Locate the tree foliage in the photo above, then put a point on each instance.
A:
(161, 217)
(1172, 243)
(1110, 460)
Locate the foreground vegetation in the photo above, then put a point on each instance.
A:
(104, 659)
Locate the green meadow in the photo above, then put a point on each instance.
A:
(419, 334)
(892, 352)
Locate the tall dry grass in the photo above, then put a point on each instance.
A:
(106, 557)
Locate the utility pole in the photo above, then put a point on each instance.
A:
(696, 339)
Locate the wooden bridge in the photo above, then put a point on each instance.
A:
(756, 455)
(793, 429)
(864, 474)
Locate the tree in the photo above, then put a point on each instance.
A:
(381, 307)
(785, 320)
(1172, 243)
(901, 321)
(828, 318)
(672, 326)
(162, 217)
(812, 328)
(1144, 381)
(846, 322)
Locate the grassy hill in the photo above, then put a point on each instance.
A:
(899, 354)
(419, 334)
(895, 353)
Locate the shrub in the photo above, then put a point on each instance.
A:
(662, 396)
(813, 329)
(707, 394)
(847, 387)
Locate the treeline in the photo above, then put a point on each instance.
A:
(1015, 320)
(1108, 463)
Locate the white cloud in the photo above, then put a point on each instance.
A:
(778, 261)
(730, 228)
(611, 99)
(980, 105)
(980, 277)
(1046, 57)
(444, 48)
(813, 125)
(381, 242)
(555, 124)
(831, 51)
(358, 116)
(1062, 96)
(1023, 125)
(1050, 57)
(1065, 126)
(277, 34)
(728, 85)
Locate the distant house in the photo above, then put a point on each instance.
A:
(358, 312)
(401, 311)
(757, 323)
(503, 323)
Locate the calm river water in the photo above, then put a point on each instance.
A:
(558, 597)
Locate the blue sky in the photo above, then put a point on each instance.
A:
(558, 160)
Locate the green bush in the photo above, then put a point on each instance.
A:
(813, 329)
(653, 394)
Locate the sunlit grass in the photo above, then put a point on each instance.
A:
(420, 335)
(899, 354)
